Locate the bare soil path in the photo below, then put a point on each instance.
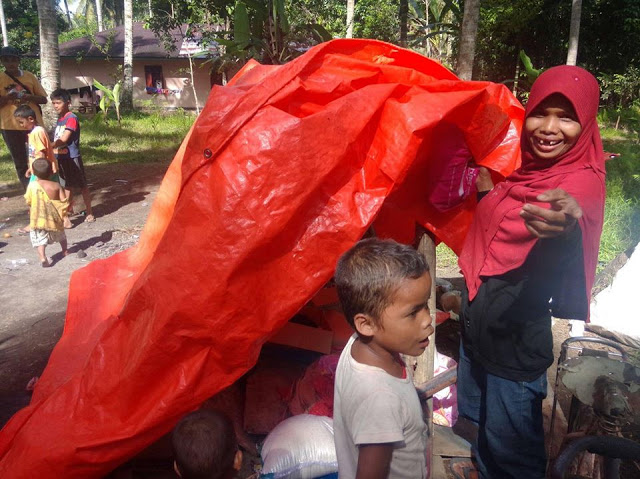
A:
(33, 300)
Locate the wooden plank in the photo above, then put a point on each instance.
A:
(425, 362)
(304, 337)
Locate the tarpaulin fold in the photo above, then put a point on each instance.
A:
(285, 169)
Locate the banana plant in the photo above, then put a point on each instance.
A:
(110, 97)
(433, 26)
(532, 73)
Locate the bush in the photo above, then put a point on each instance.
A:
(620, 90)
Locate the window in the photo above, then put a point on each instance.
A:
(154, 79)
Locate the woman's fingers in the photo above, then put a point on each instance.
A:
(557, 220)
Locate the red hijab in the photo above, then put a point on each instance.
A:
(498, 240)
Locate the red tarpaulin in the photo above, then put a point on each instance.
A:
(284, 170)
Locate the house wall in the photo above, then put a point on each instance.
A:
(80, 74)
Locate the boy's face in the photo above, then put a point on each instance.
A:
(11, 64)
(26, 123)
(60, 106)
(405, 325)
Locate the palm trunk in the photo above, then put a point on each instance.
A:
(427, 43)
(3, 24)
(127, 87)
(574, 32)
(49, 54)
(351, 6)
(404, 18)
(66, 9)
(468, 34)
(99, 15)
(150, 10)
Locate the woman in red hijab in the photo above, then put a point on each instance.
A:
(531, 252)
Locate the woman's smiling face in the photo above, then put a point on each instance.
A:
(552, 128)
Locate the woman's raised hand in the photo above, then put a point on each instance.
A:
(559, 219)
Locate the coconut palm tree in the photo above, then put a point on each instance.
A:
(66, 9)
(127, 87)
(468, 33)
(3, 24)
(49, 52)
(99, 15)
(351, 5)
(574, 32)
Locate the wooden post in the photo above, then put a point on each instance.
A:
(425, 363)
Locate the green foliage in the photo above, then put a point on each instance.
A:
(609, 35)
(23, 31)
(377, 19)
(434, 32)
(83, 28)
(622, 209)
(620, 90)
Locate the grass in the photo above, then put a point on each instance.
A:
(141, 138)
(622, 208)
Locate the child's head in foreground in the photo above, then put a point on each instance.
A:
(205, 446)
(60, 99)
(383, 288)
(26, 117)
(42, 169)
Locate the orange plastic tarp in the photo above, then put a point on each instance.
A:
(284, 170)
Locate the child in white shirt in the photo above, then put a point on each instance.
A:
(378, 423)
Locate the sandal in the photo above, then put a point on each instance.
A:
(45, 264)
(463, 468)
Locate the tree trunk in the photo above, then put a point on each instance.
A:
(351, 6)
(574, 32)
(193, 84)
(127, 86)
(3, 24)
(49, 55)
(66, 9)
(468, 33)
(150, 10)
(427, 43)
(404, 18)
(99, 15)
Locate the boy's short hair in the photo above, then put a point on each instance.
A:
(60, 94)
(24, 111)
(367, 276)
(204, 445)
(42, 168)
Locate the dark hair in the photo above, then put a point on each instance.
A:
(60, 94)
(204, 445)
(367, 276)
(24, 111)
(9, 51)
(42, 168)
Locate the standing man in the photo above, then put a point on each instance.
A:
(17, 87)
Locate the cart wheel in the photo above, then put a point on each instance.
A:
(583, 422)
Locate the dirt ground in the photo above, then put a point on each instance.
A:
(34, 299)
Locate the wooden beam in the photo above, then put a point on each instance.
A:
(425, 363)
(304, 337)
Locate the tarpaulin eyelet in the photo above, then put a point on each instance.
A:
(207, 153)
